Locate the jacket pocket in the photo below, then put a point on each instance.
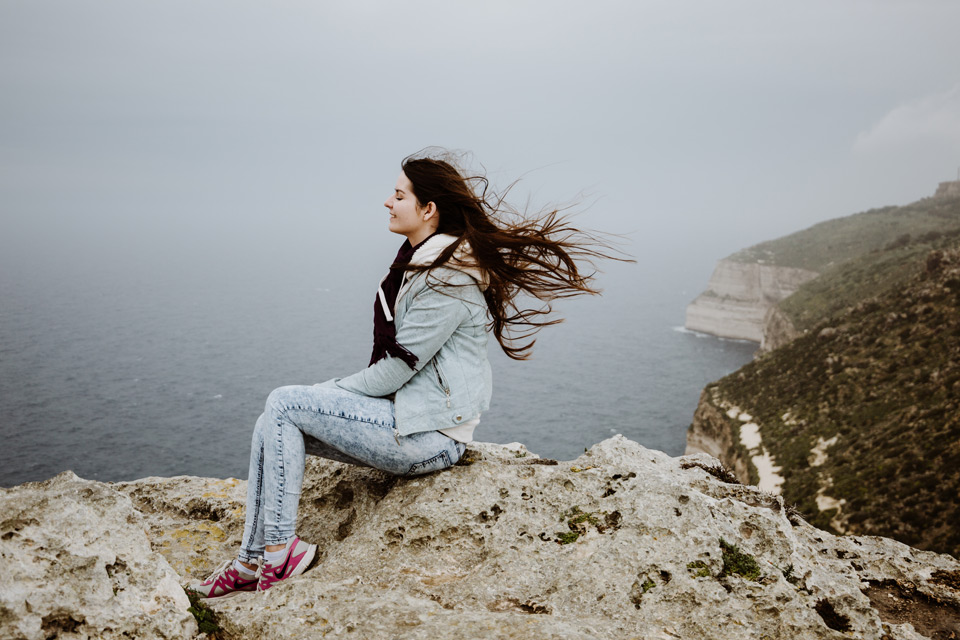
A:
(441, 381)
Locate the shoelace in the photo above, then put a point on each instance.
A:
(219, 571)
(228, 564)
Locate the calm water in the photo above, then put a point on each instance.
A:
(118, 376)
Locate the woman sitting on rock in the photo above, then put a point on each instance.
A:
(466, 258)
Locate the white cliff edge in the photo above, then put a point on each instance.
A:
(739, 297)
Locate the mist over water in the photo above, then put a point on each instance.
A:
(124, 373)
(190, 195)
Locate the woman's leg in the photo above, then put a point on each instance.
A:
(358, 430)
(335, 424)
(252, 543)
(325, 421)
(229, 579)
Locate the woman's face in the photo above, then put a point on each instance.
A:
(407, 217)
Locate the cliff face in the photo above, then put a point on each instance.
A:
(738, 297)
(948, 189)
(756, 294)
(861, 413)
(778, 329)
(623, 542)
(711, 433)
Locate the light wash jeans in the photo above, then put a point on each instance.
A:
(331, 423)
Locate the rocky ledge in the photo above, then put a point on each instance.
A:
(623, 542)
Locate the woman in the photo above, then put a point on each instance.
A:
(415, 407)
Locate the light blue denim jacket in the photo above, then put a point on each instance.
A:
(441, 317)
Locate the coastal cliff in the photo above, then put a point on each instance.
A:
(949, 189)
(623, 542)
(774, 291)
(739, 296)
(857, 421)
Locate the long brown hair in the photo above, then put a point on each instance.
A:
(539, 254)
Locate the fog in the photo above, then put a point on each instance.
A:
(191, 194)
(190, 137)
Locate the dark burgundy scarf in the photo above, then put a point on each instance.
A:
(385, 331)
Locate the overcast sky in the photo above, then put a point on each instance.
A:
(232, 131)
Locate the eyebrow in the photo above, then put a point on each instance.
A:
(399, 190)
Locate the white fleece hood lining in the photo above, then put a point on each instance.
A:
(461, 260)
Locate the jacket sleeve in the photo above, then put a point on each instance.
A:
(435, 312)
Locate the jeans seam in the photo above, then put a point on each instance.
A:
(338, 414)
(425, 463)
(341, 414)
(280, 468)
(257, 506)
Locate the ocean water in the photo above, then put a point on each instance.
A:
(121, 374)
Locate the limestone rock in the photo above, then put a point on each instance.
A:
(778, 329)
(192, 521)
(949, 189)
(623, 542)
(738, 297)
(77, 564)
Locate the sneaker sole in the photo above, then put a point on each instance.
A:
(307, 561)
(227, 596)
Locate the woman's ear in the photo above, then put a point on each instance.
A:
(429, 211)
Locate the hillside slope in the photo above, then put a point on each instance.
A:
(864, 277)
(827, 268)
(830, 243)
(862, 413)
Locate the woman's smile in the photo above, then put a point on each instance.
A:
(407, 217)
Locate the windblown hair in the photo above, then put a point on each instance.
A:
(538, 254)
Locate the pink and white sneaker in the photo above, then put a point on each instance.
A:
(225, 582)
(295, 561)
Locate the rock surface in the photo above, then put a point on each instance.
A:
(738, 297)
(948, 189)
(623, 542)
(778, 329)
(77, 564)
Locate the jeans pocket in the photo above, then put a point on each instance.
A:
(436, 463)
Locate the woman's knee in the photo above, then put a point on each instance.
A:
(257, 439)
(280, 398)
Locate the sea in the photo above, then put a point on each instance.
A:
(120, 374)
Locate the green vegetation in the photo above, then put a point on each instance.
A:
(861, 278)
(567, 537)
(206, 617)
(882, 377)
(639, 589)
(858, 256)
(736, 562)
(873, 382)
(699, 569)
(718, 471)
(833, 242)
(788, 574)
(579, 522)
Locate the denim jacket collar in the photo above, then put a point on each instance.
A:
(462, 260)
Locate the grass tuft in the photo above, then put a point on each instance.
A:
(205, 616)
(736, 562)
